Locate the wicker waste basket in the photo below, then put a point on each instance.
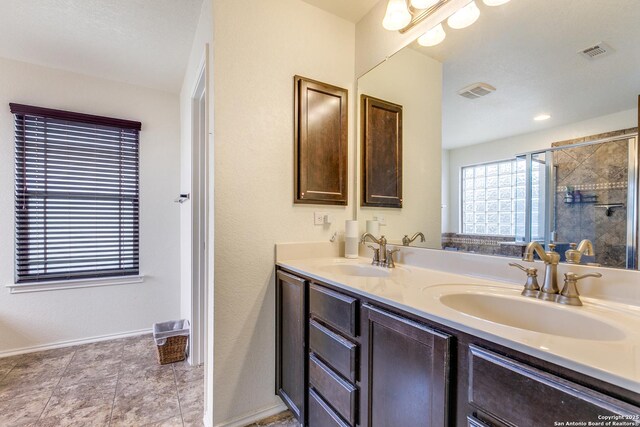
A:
(171, 340)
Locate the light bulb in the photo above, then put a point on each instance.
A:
(425, 4)
(495, 2)
(397, 16)
(432, 37)
(464, 16)
(542, 117)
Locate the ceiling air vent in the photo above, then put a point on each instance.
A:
(476, 90)
(596, 51)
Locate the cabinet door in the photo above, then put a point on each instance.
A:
(381, 170)
(405, 372)
(321, 138)
(291, 349)
(536, 398)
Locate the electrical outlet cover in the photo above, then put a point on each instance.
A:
(318, 218)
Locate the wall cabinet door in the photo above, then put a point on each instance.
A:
(381, 170)
(321, 138)
(291, 352)
(405, 372)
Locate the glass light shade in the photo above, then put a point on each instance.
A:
(464, 16)
(432, 37)
(426, 4)
(397, 16)
(495, 2)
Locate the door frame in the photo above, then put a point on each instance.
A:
(199, 213)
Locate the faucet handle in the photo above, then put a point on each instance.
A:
(583, 276)
(390, 263)
(570, 294)
(552, 247)
(531, 287)
(376, 255)
(530, 271)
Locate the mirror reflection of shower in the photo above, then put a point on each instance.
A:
(584, 190)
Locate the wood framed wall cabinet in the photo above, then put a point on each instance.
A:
(321, 138)
(381, 147)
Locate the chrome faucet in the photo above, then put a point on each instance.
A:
(381, 256)
(549, 290)
(574, 255)
(406, 241)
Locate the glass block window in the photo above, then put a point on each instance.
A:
(493, 197)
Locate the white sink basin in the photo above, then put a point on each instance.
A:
(532, 315)
(359, 270)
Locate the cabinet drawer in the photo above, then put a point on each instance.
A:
(338, 352)
(321, 415)
(536, 397)
(340, 394)
(337, 310)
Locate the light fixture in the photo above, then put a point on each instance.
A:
(425, 4)
(432, 37)
(464, 17)
(495, 2)
(397, 16)
(541, 117)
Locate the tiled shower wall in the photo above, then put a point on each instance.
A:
(600, 170)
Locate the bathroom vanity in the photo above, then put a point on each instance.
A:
(411, 346)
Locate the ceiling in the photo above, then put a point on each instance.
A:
(528, 51)
(351, 10)
(142, 42)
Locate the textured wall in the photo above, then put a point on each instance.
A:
(253, 132)
(42, 318)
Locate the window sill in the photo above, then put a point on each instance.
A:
(55, 285)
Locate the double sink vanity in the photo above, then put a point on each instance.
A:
(447, 339)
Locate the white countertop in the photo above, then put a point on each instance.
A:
(417, 290)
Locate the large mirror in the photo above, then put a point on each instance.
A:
(520, 127)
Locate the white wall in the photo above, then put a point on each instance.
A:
(41, 318)
(509, 147)
(414, 81)
(259, 46)
(202, 41)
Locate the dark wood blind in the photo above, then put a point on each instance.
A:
(76, 195)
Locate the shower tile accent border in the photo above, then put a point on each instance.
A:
(596, 186)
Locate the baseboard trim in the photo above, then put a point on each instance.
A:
(70, 343)
(254, 416)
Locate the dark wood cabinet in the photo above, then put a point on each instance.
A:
(381, 146)
(291, 339)
(321, 138)
(393, 369)
(405, 372)
(536, 398)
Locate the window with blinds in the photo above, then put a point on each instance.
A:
(76, 195)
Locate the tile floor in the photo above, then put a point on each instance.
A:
(283, 419)
(110, 383)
